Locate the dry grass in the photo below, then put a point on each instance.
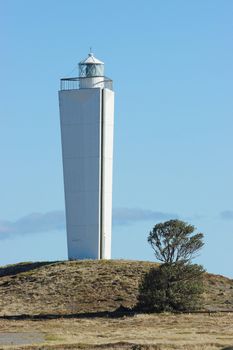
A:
(218, 292)
(76, 287)
(87, 286)
(161, 332)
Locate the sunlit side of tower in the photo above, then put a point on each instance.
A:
(87, 118)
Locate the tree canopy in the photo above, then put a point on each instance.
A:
(173, 241)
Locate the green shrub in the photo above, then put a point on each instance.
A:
(172, 287)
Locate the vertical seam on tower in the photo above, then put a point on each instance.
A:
(101, 174)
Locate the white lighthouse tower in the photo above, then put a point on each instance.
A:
(87, 116)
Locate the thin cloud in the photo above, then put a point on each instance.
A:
(126, 216)
(226, 215)
(33, 223)
(55, 221)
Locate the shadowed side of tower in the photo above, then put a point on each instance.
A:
(87, 117)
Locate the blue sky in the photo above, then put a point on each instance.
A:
(171, 62)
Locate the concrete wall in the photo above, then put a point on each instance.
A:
(87, 144)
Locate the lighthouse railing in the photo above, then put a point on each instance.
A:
(74, 83)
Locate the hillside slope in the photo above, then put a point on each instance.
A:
(87, 286)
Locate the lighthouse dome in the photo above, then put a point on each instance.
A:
(91, 67)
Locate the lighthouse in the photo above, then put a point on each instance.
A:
(87, 118)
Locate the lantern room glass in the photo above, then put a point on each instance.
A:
(89, 70)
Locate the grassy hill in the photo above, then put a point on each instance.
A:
(71, 287)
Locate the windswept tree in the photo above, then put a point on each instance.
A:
(176, 284)
(174, 241)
